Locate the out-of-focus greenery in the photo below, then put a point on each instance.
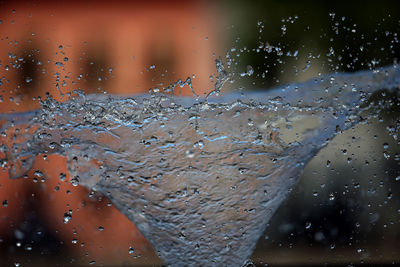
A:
(347, 212)
(331, 35)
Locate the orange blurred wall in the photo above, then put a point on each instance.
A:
(116, 47)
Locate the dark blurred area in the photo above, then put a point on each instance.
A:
(344, 211)
(346, 208)
(328, 36)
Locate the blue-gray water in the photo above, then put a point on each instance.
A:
(199, 178)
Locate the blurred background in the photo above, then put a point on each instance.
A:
(344, 211)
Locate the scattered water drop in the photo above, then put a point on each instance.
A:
(385, 145)
(249, 71)
(189, 154)
(67, 217)
(75, 181)
(199, 144)
(62, 176)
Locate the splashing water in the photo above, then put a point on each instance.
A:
(200, 178)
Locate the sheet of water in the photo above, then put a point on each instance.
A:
(199, 177)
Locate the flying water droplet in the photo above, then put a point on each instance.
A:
(249, 71)
(385, 145)
(67, 217)
(75, 181)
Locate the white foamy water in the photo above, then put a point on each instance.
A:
(200, 178)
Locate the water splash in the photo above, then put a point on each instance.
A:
(200, 178)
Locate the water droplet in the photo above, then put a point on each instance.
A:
(131, 250)
(67, 217)
(283, 28)
(28, 79)
(189, 154)
(199, 144)
(386, 155)
(19, 234)
(75, 181)
(38, 174)
(308, 225)
(307, 66)
(385, 145)
(249, 71)
(62, 176)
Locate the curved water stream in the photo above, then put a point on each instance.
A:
(200, 178)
